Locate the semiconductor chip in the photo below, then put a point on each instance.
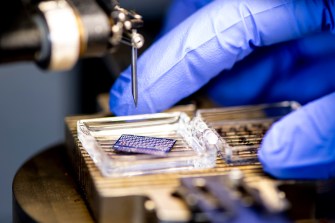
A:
(143, 144)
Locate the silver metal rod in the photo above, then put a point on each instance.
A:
(134, 74)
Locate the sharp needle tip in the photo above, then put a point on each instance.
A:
(135, 102)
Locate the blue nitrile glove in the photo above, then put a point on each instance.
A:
(302, 144)
(179, 10)
(300, 70)
(212, 40)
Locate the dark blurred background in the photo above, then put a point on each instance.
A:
(34, 103)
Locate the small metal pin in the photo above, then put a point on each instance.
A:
(134, 74)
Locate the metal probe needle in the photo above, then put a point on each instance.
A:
(134, 74)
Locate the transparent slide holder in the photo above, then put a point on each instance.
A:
(241, 129)
(195, 148)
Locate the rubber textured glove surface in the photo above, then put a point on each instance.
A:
(179, 10)
(212, 40)
(301, 70)
(302, 144)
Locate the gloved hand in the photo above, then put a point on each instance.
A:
(214, 39)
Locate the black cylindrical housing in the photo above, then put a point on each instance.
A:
(21, 41)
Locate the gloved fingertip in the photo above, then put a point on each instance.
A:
(301, 145)
(276, 159)
(272, 153)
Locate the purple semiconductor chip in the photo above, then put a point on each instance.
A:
(143, 144)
